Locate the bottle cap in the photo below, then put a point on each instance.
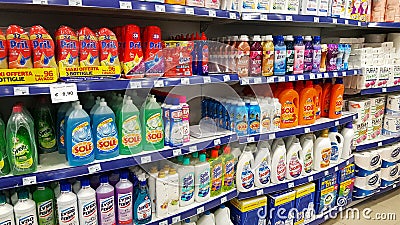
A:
(333, 129)
(268, 38)
(17, 109)
(180, 158)
(308, 38)
(222, 206)
(124, 175)
(309, 83)
(85, 182)
(214, 154)
(253, 102)
(79, 106)
(203, 36)
(227, 150)
(256, 38)
(241, 104)
(187, 220)
(317, 38)
(195, 155)
(349, 125)
(153, 169)
(172, 171)
(22, 194)
(182, 99)
(175, 101)
(103, 179)
(207, 212)
(339, 80)
(244, 38)
(2, 199)
(161, 174)
(324, 133)
(186, 161)
(65, 187)
(202, 158)
(289, 38)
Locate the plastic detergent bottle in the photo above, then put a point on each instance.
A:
(262, 165)
(176, 131)
(316, 60)
(173, 190)
(318, 99)
(44, 198)
(307, 104)
(244, 172)
(153, 130)
(105, 133)
(186, 183)
(299, 86)
(87, 204)
(298, 64)
(202, 179)
(78, 138)
(254, 118)
(21, 143)
(216, 175)
(95, 106)
(243, 56)
(241, 119)
(280, 56)
(142, 205)
(228, 169)
(129, 129)
(185, 118)
(162, 195)
(166, 119)
(67, 206)
(348, 136)
(105, 202)
(255, 56)
(306, 155)
(25, 209)
(324, 52)
(276, 119)
(44, 127)
(4, 162)
(340, 56)
(61, 126)
(336, 102)
(207, 219)
(289, 42)
(326, 97)
(294, 166)
(337, 141)
(322, 151)
(223, 216)
(308, 54)
(6, 212)
(123, 192)
(267, 55)
(278, 161)
(289, 100)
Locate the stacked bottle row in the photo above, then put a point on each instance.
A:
(290, 158)
(278, 55)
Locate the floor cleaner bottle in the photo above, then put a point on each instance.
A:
(87, 204)
(217, 176)
(173, 190)
(278, 162)
(25, 209)
(142, 205)
(348, 136)
(202, 179)
(67, 206)
(4, 160)
(153, 130)
(44, 127)
(206, 219)
(123, 192)
(129, 129)
(228, 169)
(21, 144)
(223, 216)
(294, 166)
(307, 154)
(6, 212)
(337, 141)
(186, 183)
(244, 172)
(262, 165)
(322, 151)
(105, 202)
(45, 205)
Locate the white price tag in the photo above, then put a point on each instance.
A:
(335, 74)
(28, 180)
(271, 136)
(226, 78)
(246, 16)
(290, 185)
(21, 91)
(319, 75)
(310, 178)
(326, 217)
(260, 192)
(307, 130)
(347, 163)
(380, 144)
(326, 75)
(383, 89)
(359, 24)
(346, 22)
(75, 2)
(159, 8)
(337, 123)
(224, 199)
(176, 152)
(250, 139)
(281, 79)
(326, 173)
(270, 80)
(232, 16)
(312, 76)
(158, 83)
(244, 81)
(292, 78)
(189, 11)
(316, 19)
(176, 219)
(145, 159)
(344, 73)
(207, 80)
(66, 92)
(354, 117)
(192, 148)
(263, 17)
(334, 20)
(42, 2)
(394, 185)
(336, 168)
(200, 210)
(185, 81)
(94, 168)
(165, 222)
(288, 18)
(135, 84)
(217, 141)
(125, 5)
(355, 72)
(258, 80)
(300, 77)
(212, 13)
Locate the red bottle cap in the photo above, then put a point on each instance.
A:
(214, 153)
(18, 109)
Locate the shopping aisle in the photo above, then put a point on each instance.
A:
(388, 203)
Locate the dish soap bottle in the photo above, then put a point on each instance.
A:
(153, 129)
(4, 163)
(44, 127)
(142, 205)
(129, 129)
(44, 198)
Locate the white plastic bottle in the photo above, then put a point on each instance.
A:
(305, 136)
(262, 165)
(188, 222)
(276, 121)
(186, 183)
(162, 195)
(173, 191)
(223, 216)
(207, 219)
(152, 187)
(307, 154)
(25, 209)
(266, 115)
(348, 136)
(67, 206)
(244, 172)
(202, 179)
(322, 151)
(278, 162)
(336, 144)
(6, 212)
(235, 150)
(87, 205)
(76, 186)
(294, 166)
(288, 141)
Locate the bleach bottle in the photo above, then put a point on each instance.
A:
(87, 204)
(202, 182)
(153, 129)
(262, 165)
(337, 141)
(245, 174)
(294, 166)
(25, 209)
(124, 190)
(105, 202)
(61, 113)
(207, 219)
(78, 138)
(67, 206)
(142, 204)
(278, 161)
(129, 129)
(105, 132)
(223, 216)
(186, 183)
(6, 212)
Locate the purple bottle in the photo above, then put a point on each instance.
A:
(316, 61)
(124, 198)
(255, 56)
(105, 202)
(331, 57)
(308, 54)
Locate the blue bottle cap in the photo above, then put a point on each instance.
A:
(85, 182)
(222, 206)
(339, 80)
(65, 186)
(187, 220)
(202, 158)
(124, 175)
(175, 101)
(2, 198)
(103, 179)
(349, 125)
(333, 129)
(22, 194)
(207, 212)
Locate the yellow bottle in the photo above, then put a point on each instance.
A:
(268, 56)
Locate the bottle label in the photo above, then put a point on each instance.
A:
(289, 60)
(176, 136)
(125, 208)
(154, 130)
(298, 60)
(89, 212)
(45, 212)
(216, 177)
(326, 157)
(107, 211)
(268, 63)
(295, 166)
(254, 122)
(204, 183)
(255, 63)
(131, 136)
(288, 115)
(308, 60)
(21, 149)
(327, 103)
(334, 151)
(241, 123)
(229, 172)
(187, 189)
(317, 106)
(7, 222)
(308, 161)
(46, 135)
(247, 176)
(281, 169)
(243, 63)
(264, 172)
(277, 119)
(29, 220)
(62, 132)
(107, 139)
(316, 60)
(280, 61)
(68, 216)
(144, 209)
(265, 121)
(204, 61)
(82, 142)
(308, 111)
(339, 105)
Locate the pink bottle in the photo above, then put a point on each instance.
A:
(123, 191)
(298, 66)
(185, 118)
(255, 56)
(105, 202)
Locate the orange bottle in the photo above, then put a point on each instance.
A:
(336, 102)
(318, 99)
(299, 86)
(279, 88)
(289, 100)
(307, 104)
(326, 97)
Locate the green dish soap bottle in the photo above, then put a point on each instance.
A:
(4, 164)
(228, 162)
(44, 198)
(129, 129)
(21, 147)
(45, 127)
(153, 128)
(217, 177)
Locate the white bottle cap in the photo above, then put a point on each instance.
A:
(78, 106)
(256, 38)
(268, 38)
(253, 102)
(244, 38)
(289, 38)
(241, 104)
(103, 103)
(307, 38)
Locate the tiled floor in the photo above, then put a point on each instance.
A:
(385, 205)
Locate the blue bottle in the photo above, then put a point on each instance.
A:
(105, 133)
(221, 113)
(254, 118)
(195, 53)
(61, 126)
(204, 103)
(176, 126)
(340, 56)
(142, 204)
(78, 137)
(241, 120)
(280, 56)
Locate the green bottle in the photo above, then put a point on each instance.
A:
(217, 177)
(45, 128)
(4, 164)
(21, 147)
(153, 128)
(44, 199)
(129, 129)
(228, 168)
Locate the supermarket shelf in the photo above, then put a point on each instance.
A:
(377, 142)
(384, 25)
(307, 76)
(195, 209)
(315, 175)
(57, 169)
(371, 91)
(378, 192)
(121, 84)
(320, 124)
